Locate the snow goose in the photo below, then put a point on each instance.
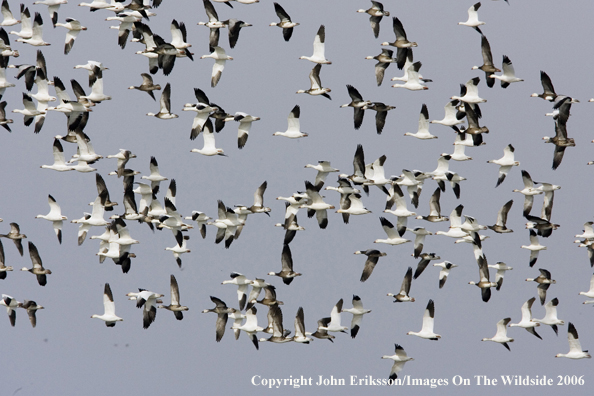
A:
(37, 269)
(109, 316)
(575, 348)
(358, 311)
(323, 168)
(59, 161)
(300, 334)
(528, 191)
(455, 230)
(413, 82)
(250, 326)
(590, 292)
(334, 325)
(97, 94)
(147, 85)
(3, 267)
(316, 84)
(258, 206)
(394, 237)
(201, 219)
(235, 26)
(90, 67)
(53, 7)
(175, 306)
(11, 304)
(7, 52)
(588, 232)
(179, 250)
(413, 184)
(400, 358)
(41, 81)
(401, 42)
(358, 105)
(542, 226)
(36, 38)
(353, 205)
(209, 148)
(286, 273)
(123, 233)
(471, 95)
(549, 191)
(31, 307)
(213, 23)
(470, 225)
(381, 110)
(30, 111)
(445, 266)
(501, 267)
(526, 321)
(126, 20)
(505, 163)
(534, 247)
(26, 24)
(420, 234)
(55, 216)
(428, 322)
(396, 197)
(16, 236)
(550, 317)
(383, 61)
(373, 256)
(376, 12)
(95, 219)
(179, 37)
(473, 20)
(293, 130)
(403, 295)
(501, 334)
(320, 333)
(228, 224)
(547, 87)
(269, 293)
(85, 150)
(242, 283)
(560, 140)
(423, 130)
(459, 150)
(74, 27)
(509, 75)
(155, 177)
(425, 259)
(203, 111)
(147, 300)
(449, 118)
(3, 121)
(220, 57)
(317, 204)
(318, 48)
(8, 18)
(285, 22)
(434, 209)
(544, 281)
(278, 333)
(245, 123)
(484, 283)
(500, 226)
(165, 105)
(487, 66)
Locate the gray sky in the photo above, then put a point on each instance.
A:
(70, 353)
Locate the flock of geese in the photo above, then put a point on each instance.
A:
(150, 200)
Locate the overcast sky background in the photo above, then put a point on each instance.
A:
(68, 353)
